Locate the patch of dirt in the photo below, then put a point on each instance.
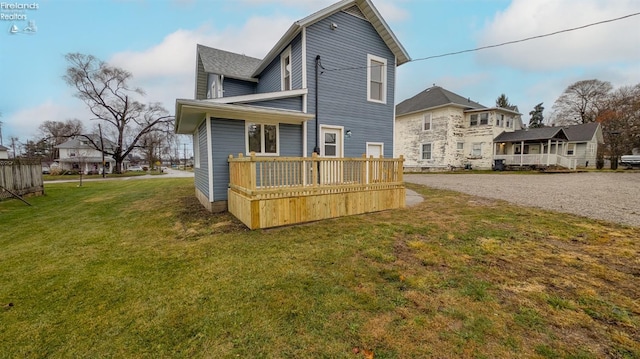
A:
(193, 221)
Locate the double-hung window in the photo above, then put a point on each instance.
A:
(476, 149)
(426, 151)
(474, 120)
(484, 118)
(426, 122)
(376, 79)
(262, 138)
(285, 68)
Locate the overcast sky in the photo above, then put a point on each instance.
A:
(156, 41)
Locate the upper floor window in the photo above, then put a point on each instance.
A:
(376, 79)
(426, 151)
(262, 138)
(215, 86)
(285, 67)
(508, 125)
(484, 118)
(474, 120)
(426, 122)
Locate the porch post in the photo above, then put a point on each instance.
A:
(521, 153)
(548, 152)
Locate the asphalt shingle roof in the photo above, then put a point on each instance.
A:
(532, 134)
(434, 97)
(228, 63)
(581, 133)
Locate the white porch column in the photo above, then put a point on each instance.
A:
(548, 151)
(521, 153)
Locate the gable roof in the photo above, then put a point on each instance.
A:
(2, 148)
(227, 63)
(581, 133)
(432, 97)
(532, 134)
(366, 8)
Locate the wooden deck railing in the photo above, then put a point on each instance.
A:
(255, 175)
(273, 191)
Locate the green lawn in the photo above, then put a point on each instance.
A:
(136, 268)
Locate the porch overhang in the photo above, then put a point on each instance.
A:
(190, 113)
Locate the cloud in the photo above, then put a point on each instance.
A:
(617, 41)
(24, 123)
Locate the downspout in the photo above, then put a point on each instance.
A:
(317, 148)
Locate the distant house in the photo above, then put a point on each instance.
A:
(77, 154)
(438, 129)
(4, 153)
(568, 146)
(326, 87)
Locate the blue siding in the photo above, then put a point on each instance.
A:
(296, 63)
(233, 87)
(270, 78)
(343, 94)
(227, 138)
(290, 140)
(292, 103)
(202, 174)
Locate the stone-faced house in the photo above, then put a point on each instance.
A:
(326, 87)
(438, 129)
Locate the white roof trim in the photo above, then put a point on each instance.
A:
(190, 113)
(266, 96)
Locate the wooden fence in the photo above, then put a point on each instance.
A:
(274, 191)
(21, 176)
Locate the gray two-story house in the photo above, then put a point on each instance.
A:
(327, 86)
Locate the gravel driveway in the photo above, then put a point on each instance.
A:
(613, 197)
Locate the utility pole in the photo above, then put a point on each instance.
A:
(184, 154)
(102, 150)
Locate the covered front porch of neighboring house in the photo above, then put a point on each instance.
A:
(266, 190)
(86, 165)
(540, 148)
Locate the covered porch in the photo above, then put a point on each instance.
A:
(539, 147)
(275, 191)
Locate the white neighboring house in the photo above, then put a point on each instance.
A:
(438, 130)
(4, 153)
(78, 154)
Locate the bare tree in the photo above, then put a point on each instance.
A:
(106, 91)
(581, 102)
(620, 122)
(53, 133)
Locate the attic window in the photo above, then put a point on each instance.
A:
(355, 11)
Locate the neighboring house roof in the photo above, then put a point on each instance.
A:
(581, 133)
(76, 143)
(2, 148)
(532, 134)
(366, 9)
(433, 97)
(228, 63)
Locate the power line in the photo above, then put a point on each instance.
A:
(503, 43)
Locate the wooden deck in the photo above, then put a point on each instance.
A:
(275, 191)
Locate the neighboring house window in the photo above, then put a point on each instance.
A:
(285, 66)
(484, 118)
(500, 121)
(460, 147)
(426, 151)
(508, 123)
(591, 149)
(426, 122)
(474, 120)
(376, 79)
(262, 138)
(476, 149)
(571, 148)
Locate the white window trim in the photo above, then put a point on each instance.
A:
(460, 150)
(381, 144)
(286, 53)
(196, 148)
(262, 142)
(339, 128)
(384, 78)
(473, 145)
(571, 147)
(430, 121)
(422, 151)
